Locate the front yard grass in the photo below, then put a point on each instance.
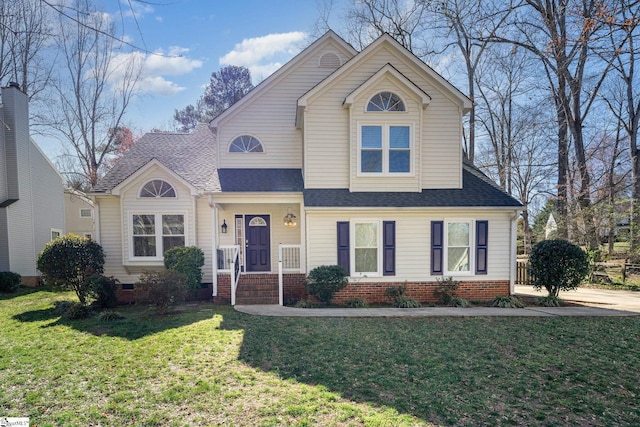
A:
(205, 365)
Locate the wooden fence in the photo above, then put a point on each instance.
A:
(522, 273)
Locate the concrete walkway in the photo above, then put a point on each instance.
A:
(593, 303)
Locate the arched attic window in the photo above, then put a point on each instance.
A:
(385, 101)
(157, 188)
(246, 144)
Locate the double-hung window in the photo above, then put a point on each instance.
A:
(385, 149)
(154, 233)
(366, 248)
(458, 253)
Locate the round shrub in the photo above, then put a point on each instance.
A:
(404, 301)
(187, 260)
(77, 311)
(557, 265)
(69, 260)
(9, 281)
(110, 316)
(324, 281)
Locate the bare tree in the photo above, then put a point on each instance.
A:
(561, 34)
(94, 88)
(623, 96)
(24, 35)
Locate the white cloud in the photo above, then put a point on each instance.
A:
(155, 68)
(263, 55)
(135, 9)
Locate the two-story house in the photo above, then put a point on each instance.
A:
(31, 190)
(339, 157)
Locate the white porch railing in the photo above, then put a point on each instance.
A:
(289, 261)
(229, 262)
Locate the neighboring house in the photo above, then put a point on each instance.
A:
(31, 190)
(78, 213)
(551, 227)
(339, 157)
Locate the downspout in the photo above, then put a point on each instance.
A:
(214, 246)
(514, 251)
(96, 219)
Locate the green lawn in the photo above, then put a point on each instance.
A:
(208, 365)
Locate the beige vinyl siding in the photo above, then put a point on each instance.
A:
(111, 235)
(271, 117)
(279, 233)
(413, 240)
(73, 222)
(440, 161)
(183, 203)
(204, 234)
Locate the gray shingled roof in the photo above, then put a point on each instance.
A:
(191, 156)
(243, 180)
(477, 191)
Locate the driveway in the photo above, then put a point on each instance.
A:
(602, 298)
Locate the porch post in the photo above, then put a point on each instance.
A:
(280, 276)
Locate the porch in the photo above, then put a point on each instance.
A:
(236, 286)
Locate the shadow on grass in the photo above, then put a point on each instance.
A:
(479, 371)
(138, 321)
(23, 290)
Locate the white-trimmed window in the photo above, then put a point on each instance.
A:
(157, 188)
(246, 144)
(152, 234)
(366, 248)
(55, 233)
(85, 213)
(458, 243)
(385, 149)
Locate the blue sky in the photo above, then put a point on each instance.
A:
(193, 38)
(199, 37)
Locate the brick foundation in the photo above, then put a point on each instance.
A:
(373, 293)
(126, 293)
(422, 292)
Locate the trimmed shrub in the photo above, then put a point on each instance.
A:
(162, 289)
(506, 301)
(77, 311)
(110, 316)
(404, 301)
(557, 265)
(69, 260)
(102, 290)
(9, 281)
(324, 281)
(303, 303)
(458, 302)
(446, 290)
(399, 299)
(549, 301)
(187, 260)
(61, 307)
(356, 303)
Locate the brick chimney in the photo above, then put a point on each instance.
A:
(14, 138)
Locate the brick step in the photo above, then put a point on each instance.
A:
(256, 300)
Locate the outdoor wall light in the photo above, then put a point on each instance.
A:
(290, 219)
(224, 226)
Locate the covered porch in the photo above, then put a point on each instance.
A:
(259, 252)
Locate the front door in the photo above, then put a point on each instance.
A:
(258, 245)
